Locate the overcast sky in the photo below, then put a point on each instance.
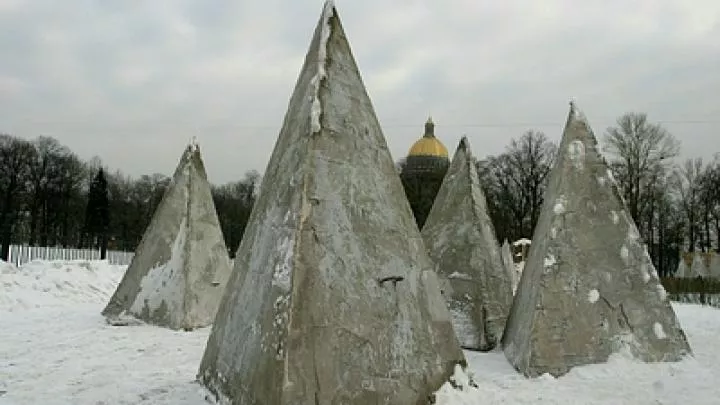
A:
(132, 81)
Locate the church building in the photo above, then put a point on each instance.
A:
(423, 171)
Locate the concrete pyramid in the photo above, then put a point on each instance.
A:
(588, 288)
(460, 239)
(332, 299)
(181, 266)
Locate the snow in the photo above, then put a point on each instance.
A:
(633, 234)
(549, 261)
(576, 154)
(316, 109)
(625, 254)
(521, 242)
(559, 208)
(465, 329)
(166, 282)
(593, 296)
(281, 275)
(60, 351)
(461, 276)
(659, 331)
(615, 217)
(39, 284)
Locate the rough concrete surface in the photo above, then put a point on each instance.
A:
(460, 239)
(588, 288)
(181, 266)
(332, 299)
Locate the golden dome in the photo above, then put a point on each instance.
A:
(429, 145)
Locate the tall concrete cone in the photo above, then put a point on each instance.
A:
(460, 239)
(181, 266)
(333, 299)
(588, 288)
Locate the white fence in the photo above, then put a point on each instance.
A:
(20, 255)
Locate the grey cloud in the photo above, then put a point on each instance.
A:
(132, 81)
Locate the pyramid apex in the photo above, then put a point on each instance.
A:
(193, 144)
(464, 145)
(317, 110)
(576, 114)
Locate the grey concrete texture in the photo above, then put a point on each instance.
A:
(460, 239)
(589, 288)
(181, 266)
(333, 299)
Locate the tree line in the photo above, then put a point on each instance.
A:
(675, 205)
(50, 197)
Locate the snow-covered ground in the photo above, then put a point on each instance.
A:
(55, 348)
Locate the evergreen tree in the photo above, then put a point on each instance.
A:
(97, 214)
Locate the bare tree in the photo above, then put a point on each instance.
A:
(71, 191)
(15, 154)
(642, 152)
(515, 182)
(688, 184)
(44, 173)
(710, 197)
(234, 202)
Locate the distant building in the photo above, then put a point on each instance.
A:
(427, 154)
(423, 172)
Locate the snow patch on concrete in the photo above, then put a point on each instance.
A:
(625, 254)
(633, 234)
(465, 330)
(593, 296)
(659, 331)
(461, 276)
(317, 109)
(165, 283)
(559, 207)
(576, 154)
(283, 268)
(645, 272)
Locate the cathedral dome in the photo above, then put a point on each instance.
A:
(429, 145)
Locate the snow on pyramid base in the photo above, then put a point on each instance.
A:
(460, 239)
(332, 299)
(180, 268)
(588, 288)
